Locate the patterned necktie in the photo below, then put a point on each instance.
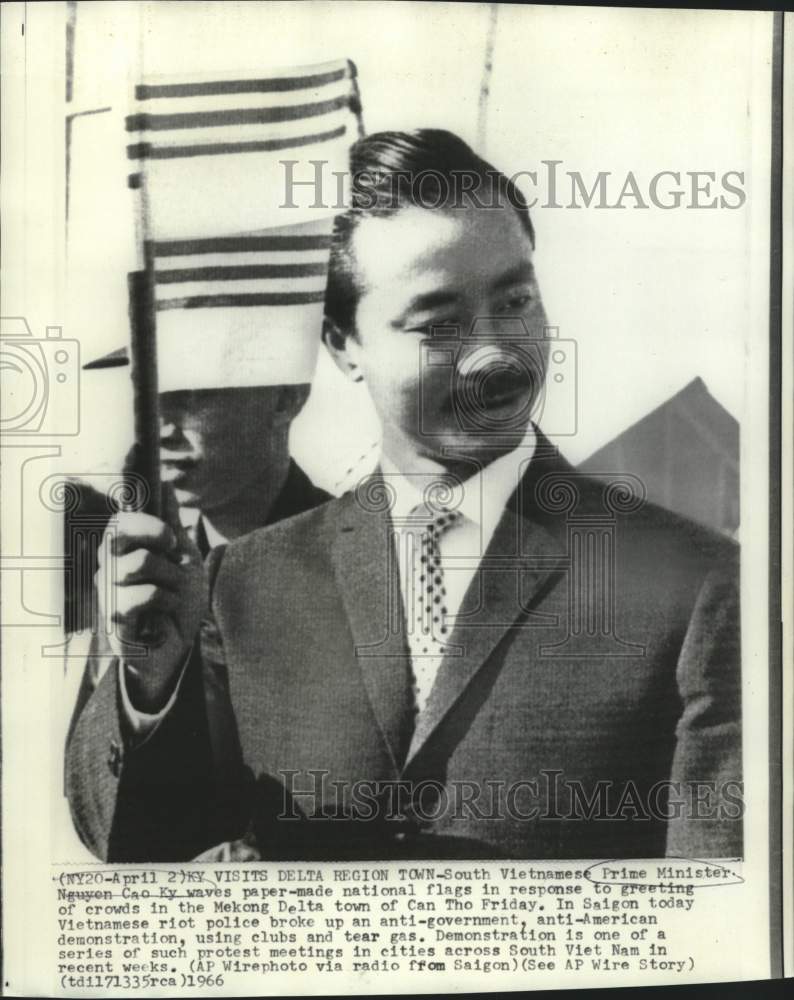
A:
(428, 631)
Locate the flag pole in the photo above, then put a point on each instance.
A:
(143, 365)
(143, 358)
(142, 316)
(146, 410)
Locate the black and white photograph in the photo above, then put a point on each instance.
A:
(391, 441)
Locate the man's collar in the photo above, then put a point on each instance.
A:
(481, 498)
(193, 521)
(213, 536)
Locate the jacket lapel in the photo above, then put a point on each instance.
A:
(525, 557)
(366, 569)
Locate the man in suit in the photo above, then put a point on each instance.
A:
(476, 653)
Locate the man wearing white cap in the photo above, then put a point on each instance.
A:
(225, 453)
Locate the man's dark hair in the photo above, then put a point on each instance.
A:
(426, 168)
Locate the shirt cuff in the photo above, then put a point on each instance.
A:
(143, 724)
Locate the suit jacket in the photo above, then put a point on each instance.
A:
(589, 705)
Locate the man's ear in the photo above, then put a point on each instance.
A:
(291, 401)
(339, 346)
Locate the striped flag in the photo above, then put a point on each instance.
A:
(211, 152)
(240, 310)
(239, 260)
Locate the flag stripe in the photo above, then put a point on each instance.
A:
(259, 299)
(272, 85)
(166, 264)
(283, 132)
(244, 286)
(240, 116)
(239, 244)
(240, 272)
(146, 151)
(243, 133)
(237, 102)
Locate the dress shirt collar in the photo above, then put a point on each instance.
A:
(214, 537)
(192, 519)
(481, 499)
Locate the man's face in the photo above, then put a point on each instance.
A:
(439, 394)
(216, 442)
